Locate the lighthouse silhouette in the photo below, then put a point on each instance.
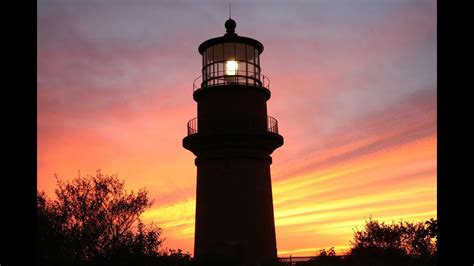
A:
(233, 138)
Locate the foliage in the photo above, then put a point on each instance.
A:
(95, 220)
(402, 243)
(395, 244)
(329, 253)
(324, 257)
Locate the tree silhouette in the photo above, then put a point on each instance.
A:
(324, 258)
(329, 253)
(95, 220)
(395, 244)
(401, 243)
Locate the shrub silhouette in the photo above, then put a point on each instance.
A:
(324, 258)
(393, 244)
(95, 221)
(402, 243)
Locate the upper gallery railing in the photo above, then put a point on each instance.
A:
(272, 125)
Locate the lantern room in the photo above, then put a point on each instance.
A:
(231, 60)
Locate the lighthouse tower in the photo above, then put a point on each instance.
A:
(232, 138)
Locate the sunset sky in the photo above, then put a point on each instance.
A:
(353, 88)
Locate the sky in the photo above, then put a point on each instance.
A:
(354, 89)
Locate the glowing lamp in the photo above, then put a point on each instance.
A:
(231, 67)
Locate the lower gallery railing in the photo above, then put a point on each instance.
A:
(272, 125)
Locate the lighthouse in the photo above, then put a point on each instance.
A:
(232, 138)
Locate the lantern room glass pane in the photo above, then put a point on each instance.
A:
(229, 51)
(218, 52)
(241, 68)
(257, 59)
(220, 69)
(204, 56)
(256, 56)
(210, 55)
(250, 54)
(240, 52)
